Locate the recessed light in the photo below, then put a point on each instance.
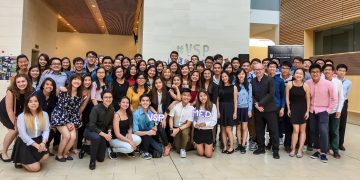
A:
(93, 6)
(68, 24)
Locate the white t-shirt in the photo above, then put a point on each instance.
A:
(182, 114)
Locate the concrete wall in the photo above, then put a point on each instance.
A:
(202, 27)
(77, 44)
(39, 28)
(11, 15)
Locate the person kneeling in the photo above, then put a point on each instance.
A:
(98, 130)
(33, 125)
(205, 119)
(124, 141)
(146, 129)
(181, 117)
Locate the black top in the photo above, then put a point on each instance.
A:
(263, 93)
(165, 105)
(227, 94)
(124, 126)
(213, 92)
(101, 118)
(49, 104)
(119, 90)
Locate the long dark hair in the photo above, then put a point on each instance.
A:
(136, 85)
(38, 78)
(210, 87)
(208, 104)
(53, 92)
(79, 89)
(46, 57)
(163, 91)
(128, 110)
(113, 75)
(128, 75)
(69, 68)
(245, 83)
(98, 86)
(198, 83)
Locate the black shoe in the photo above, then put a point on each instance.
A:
(81, 154)
(224, 151)
(259, 151)
(131, 154)
(242, 149)
(268, 147)
(230, 152)
(342, 148)
(288, 149)
(92, 165)
(69, 158)
(156, 154)
(276, 155)
(18, 166)
(238, 148)
(4, 160)
(60, 159)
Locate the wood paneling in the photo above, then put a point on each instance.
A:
(352, 60)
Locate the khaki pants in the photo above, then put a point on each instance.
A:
(181, 139)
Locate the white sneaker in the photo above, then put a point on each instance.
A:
(182, 153)
(281, 141)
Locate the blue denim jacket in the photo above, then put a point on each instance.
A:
(245, 99)
(140, 120)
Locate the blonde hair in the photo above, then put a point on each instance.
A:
(30, 118)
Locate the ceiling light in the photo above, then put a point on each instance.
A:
(93, 6)
(68, 24)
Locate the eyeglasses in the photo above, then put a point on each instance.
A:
(140, 78)
(107, 97)
(56, 64)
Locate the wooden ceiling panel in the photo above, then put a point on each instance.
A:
(62, 27)
(77, 14)
(119, 15)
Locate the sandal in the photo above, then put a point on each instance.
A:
(299, 155)
(4, 160)
(291, 154)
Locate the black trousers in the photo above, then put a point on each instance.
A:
(269, 120)
(97, 147)
(161, 132)
(343, 120)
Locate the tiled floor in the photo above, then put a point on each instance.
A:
(235, 166)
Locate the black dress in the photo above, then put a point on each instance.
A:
(226, 106)
(19, 108)
(297, 97)
(118, 91)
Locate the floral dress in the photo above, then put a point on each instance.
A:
(67, 110)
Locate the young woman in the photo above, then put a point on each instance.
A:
(160, 101)
(191, 66)
(200, 67)
(151, 74)
(65, 64)
(298, 104)
(66, 117)
(175, 88)
(229, 69)
(204, 123)
(85, 109)
(227, 110)
(30, 147)
(47, 99)
(125, 63)
(244, 108)
(159, 68)
(141, 66)
(43, 62)
(174, 68)
(124, 141)
(208, 84)
(34, 75)
(166, 75)
(151, 62)
(119, 86)
(131, 75)
(137, 90)
(10, 107)
(185, 76)
(22, 63)
(195, 85)
(133, 62)
(98, 86)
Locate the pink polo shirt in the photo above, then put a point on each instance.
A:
(322, 96)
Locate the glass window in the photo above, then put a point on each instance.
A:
(272, 5)
(338, 39)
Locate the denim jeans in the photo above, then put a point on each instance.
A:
(149, 144)
(124, 147)
(319, 126)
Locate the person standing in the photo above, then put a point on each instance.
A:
(341, 70)
(322, 102)
(334, 116)
(265, 110)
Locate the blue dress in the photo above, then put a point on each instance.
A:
(67, 110)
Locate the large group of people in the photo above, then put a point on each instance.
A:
(102, 105)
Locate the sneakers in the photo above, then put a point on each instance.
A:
(253, 146)
(323, 158)
(342, 148)
(242, 149)
(182, 153)
(281, 141)
(276, 155)
(238, 148)
(315, 155)
(259, 151)
(112, 155)
(131, 154)
(146, 156)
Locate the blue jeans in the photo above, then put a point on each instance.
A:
(149, 144)
(319, 127)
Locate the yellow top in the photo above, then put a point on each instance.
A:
(134, 97)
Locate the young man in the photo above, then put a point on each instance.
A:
(89, 65)
(54, 73)
(322, 102)
(265, 62)
(78, 64)
(217, 73)
(219, 58)
(265, 110)
(235, 62)
(195, 59)
(107, 65)
(181, 117)
(174, 55)
(341, 70)
(209, 60)
(279, 98)
(298, 62)
(334, 116)
(146, 129)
